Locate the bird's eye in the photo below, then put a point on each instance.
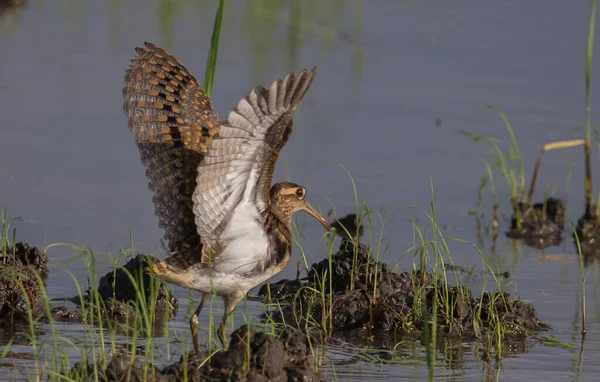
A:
(300, 193)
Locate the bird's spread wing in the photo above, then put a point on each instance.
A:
(238, 168)
(173, 121)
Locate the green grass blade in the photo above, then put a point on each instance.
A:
(211, 62)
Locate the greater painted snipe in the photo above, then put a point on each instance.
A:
(227, 229)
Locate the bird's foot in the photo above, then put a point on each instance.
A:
(159, 268)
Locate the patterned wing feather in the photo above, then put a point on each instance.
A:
(239, 167)
(173, 121)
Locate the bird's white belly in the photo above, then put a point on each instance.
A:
(223, 284)
(245, 241)
(237, 268)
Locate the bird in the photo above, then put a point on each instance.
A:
(227, 229)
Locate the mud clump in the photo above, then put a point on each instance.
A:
(540, 225)
(120, 289)
(367, 295)
(348, 227)
(251, 356)
(588, 233)
(11, 6)
(22, 269)
(116, 288)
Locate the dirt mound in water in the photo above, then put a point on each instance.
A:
(120, 289)
(252, 356)
(366, 294)
(540, 225)
(348, 227)
(22, 269)
(11, 6)
(588, 233)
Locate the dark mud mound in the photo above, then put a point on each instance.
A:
(23, 272)
(117, 288)
(120, 290)
(588, 233)
(252, 356)
(348, 227)
(11, 6)
(540, 225)
(366, 295)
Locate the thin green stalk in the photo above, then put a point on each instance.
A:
(211, 62)
(588, 109)
(583, 278)
(355, 253)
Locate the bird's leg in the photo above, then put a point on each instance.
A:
(194, 322)
(230, 302)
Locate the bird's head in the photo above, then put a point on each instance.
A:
(287, 198)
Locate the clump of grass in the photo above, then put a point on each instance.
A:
(6, 244)
(510, 162)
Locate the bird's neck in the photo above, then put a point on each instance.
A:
(280, 247)
(280, 226)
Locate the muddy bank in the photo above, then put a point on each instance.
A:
(23, 273)
(366, 295)
(23, 279)
(540, 225)
(11, 6)
(587, 235)
(120, 291)
(347, 227)
(252, 355)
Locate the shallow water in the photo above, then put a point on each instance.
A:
(387, 71)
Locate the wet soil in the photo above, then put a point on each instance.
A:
(252, 355)
(540, 225)
(120, 290)
(348, 227)
(23, 276)
(588, 233)
(23, 271)
(367, 295)
(11, 6)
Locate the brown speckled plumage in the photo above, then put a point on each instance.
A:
(173, 121)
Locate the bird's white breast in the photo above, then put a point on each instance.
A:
(245, 241)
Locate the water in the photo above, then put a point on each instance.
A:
(387, 71)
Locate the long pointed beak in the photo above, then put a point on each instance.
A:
(308, 208)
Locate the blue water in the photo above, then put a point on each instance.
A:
(387, 71)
